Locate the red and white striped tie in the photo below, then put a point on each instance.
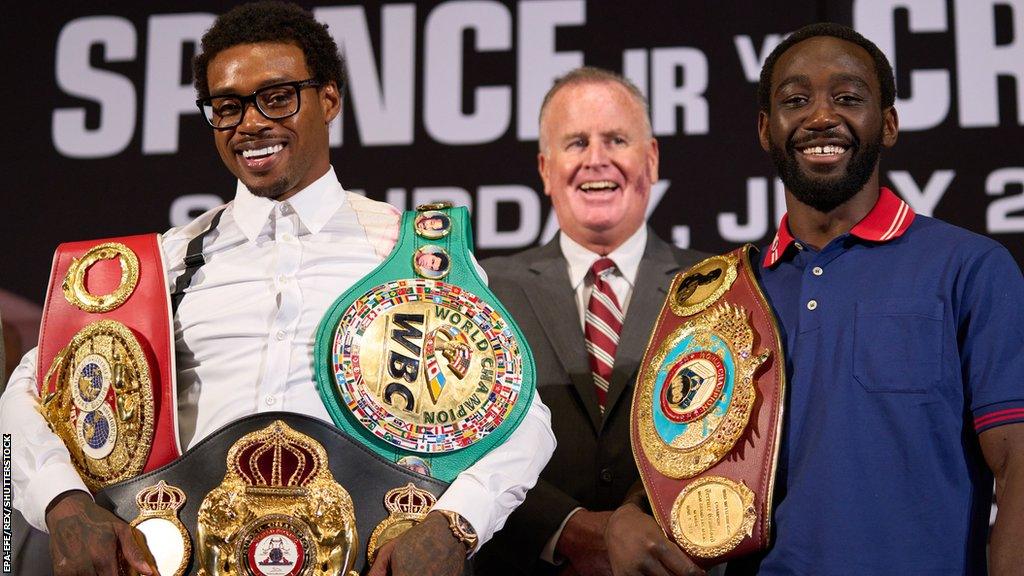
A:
(602, 326)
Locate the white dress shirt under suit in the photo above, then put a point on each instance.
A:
(622, 280)
(244, 337)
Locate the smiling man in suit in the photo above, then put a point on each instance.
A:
(587, 302)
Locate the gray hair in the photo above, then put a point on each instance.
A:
(594, 75)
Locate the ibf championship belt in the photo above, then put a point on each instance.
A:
(106, 366)
(707, 411)
(419, 360)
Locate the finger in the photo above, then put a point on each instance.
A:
(135, 551)
(140, 539)
(675, 560)
(383, 561)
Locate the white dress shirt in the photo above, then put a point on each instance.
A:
(621, 280)
(244, 338)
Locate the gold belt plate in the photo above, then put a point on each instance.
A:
(98, 398)
(426, 366)
(712, 515)
(166, 537)
(278, 511)
(698, 396)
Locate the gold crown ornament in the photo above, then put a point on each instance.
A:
(407, 506)
(167, 538)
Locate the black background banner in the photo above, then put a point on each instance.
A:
(103, 138)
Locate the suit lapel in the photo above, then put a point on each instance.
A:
(554, 303)
(657, 268)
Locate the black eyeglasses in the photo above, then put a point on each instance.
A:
(275, 102)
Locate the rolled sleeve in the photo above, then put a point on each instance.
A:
(41, 467)
(489, 490)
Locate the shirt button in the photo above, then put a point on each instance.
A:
(798, 245)
(812, 304)
(606, 475)
(282, 279)
(270, 400)
(280, 334)
(817, 271)
(287, 237)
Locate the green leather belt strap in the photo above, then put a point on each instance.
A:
(419, 360)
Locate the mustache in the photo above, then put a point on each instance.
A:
(830, 134)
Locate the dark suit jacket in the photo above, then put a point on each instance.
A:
(592, 466)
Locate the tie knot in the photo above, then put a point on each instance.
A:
(602, 265)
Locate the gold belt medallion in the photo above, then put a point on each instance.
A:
(98, 398)
(166, 537)
(712, 515)
(407, 506)
(74, 287)
(278, 512)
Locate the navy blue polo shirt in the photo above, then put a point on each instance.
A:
(904, 340)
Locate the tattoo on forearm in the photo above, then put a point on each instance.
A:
(84, 533)
(425, 553)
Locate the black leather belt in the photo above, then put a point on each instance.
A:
(365, 475)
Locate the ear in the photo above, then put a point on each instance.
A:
(890, 127)
(762, 131)
(542, 169)
(653, 159)
(330, 101)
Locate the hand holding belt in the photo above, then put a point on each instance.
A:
(707, 411)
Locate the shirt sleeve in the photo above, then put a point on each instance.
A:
(41, 467)
(548, 553)
(990, 332)
(489, 490)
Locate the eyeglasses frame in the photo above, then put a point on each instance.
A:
(299, 85)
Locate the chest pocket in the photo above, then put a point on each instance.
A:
(898, 344)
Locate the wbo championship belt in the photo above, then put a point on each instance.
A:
(106, 365)
(419, 360)
(707, 411)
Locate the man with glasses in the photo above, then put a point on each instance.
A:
(269, 79)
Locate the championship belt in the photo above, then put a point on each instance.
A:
(707, 411)
(106, 365)
(419, 360)
(280, 494)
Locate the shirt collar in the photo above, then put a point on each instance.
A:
(889, 218)
(626, 257)
(314, 205)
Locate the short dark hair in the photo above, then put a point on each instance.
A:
(271, 21)
(886, 81)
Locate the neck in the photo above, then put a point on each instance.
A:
(817, 229)
(602, 246)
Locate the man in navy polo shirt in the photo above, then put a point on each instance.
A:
(904, 338)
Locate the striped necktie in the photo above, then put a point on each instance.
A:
(602, 326)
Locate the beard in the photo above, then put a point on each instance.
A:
(271, 190)
(825, 194)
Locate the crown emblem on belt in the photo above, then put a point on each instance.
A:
(278, 503)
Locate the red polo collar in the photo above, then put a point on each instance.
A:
(888, 219)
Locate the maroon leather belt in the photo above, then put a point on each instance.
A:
(707, 410)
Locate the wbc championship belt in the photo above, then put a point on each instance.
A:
(707, 411)
(419, 360)
(106, 365)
